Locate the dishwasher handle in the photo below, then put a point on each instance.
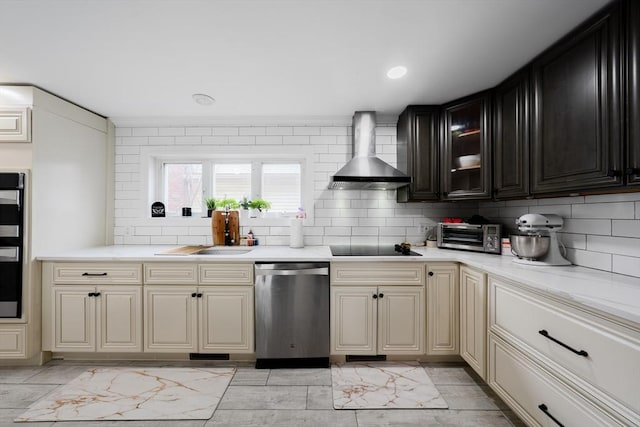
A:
(323, 271)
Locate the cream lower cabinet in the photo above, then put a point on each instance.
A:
(549, 357)
(89, 306)
(384, 319)
(443, 302)
(211, 318)
(97, 318)
(473, 319)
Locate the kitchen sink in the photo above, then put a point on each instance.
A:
(222, 251)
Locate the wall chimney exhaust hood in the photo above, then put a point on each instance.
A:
(365, 171)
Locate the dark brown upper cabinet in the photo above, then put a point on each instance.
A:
(576, 130)
(466, 149)
(417, 149)
(511, 137)
(632, 169)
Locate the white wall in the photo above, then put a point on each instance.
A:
(340, 217)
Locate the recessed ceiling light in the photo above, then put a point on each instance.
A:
(203, 99)
(397, 72)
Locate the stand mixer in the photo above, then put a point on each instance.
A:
(539, 227)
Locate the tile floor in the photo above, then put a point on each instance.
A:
(279, 397)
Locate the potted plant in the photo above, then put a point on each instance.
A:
(245, 204)
(228, 201)
(211, 205)
(260, 205)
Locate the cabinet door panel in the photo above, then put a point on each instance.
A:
(576, 133)
(442, 309)
(354, 314)
(401, 320)
(119, 318)
(466, 149)
(473, 315)
(417, 152)
(511, 138)
(170, 319)
(74, 318)
(633, 94)
(226, 320)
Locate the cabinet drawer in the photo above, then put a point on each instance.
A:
(380, 273)
(226, 274)
(612, 351)
(170, 274)
(97, 273)
(12, 341)
(530, 391)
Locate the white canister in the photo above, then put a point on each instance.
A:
(296, 235)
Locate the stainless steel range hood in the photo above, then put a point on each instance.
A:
(365, 171)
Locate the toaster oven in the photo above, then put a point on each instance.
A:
(470, 237)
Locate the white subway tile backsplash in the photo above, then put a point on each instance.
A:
(625, 228)
(626, 265)
(280, 130)
(573, 200)
(614, 245)
(225, 131)
(587, 226)
(253, 130)
(575, 241)
(597, 260)
(600, 231)
(215, 140)
(144, 132)
(200, 131)
(242, 140)
(306, 130)
(614, 210)
(171, 131)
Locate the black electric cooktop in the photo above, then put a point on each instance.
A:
(365, 250)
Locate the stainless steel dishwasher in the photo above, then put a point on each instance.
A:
(292, 315)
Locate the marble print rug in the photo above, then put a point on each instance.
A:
(383, 385)
(135, 394)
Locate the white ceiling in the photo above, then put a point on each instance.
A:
(137, 59)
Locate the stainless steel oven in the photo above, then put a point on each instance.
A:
(11, 243)
(470, 237)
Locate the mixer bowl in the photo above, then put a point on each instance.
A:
(529, 246)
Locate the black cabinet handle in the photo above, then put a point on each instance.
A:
(381, 295)
(91, 294)
(193, 295)
(612, 173)
(544, 409)
(430, 273)
(94, 274)
(632, 171)
(97, 294)
(375, 296)
(545, 334)
(199, 295)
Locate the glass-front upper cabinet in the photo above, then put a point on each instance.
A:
(466, 154)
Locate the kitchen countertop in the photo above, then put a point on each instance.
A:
(613, 294)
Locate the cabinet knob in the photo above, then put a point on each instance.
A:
(632, 171)
(90, 294)
(199, 295)
(193, 295)
(430, 273)
(381, 295)
(612, 173)
(375, 296)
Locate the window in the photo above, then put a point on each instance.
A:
(182, 185)
(188, 183)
